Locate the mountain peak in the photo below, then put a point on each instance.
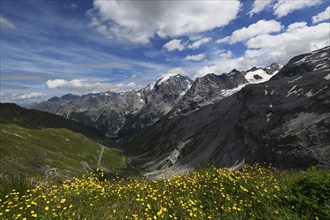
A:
(65, 97)
(234, 71)
(167, 78)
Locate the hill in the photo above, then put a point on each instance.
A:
(35, 143)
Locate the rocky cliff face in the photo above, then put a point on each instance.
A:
(121, 113)
(284, 121)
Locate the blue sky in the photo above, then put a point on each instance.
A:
(56, 47)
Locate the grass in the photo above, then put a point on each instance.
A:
(32, 142)
(30, 152)
(210, 193)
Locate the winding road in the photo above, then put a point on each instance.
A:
(101, 154)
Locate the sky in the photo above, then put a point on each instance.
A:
(54, 47)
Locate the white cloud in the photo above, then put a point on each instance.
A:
(200, 42)
(22, 98)
(87, 85)
(296, 25)
(260, 5)
(175, 71)
(322, 16)
(31, 95)
(197, 57)
(138, 21)
(6, 23)
(265, 49)
(296, 40)
(227, 54)
(223, 40)
(225, 65)
(174, 44)
(285, 7)
(261, 27)
(172, 72)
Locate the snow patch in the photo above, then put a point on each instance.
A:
(321, 66)
(266, 92)
(270, 106)
(323, 55)
(272, 92)
(229, 92)
(293, 91)
(295, 79)
(327, 77)
(249, 76)
(151, 86)
(268, 116)
(165, 78)
(304, 59)
(310, 93)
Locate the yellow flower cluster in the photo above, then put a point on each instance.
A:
(209, 193)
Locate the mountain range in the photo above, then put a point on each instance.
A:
(117, 115)
(278, 115)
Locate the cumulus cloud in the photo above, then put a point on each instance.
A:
(175, 71)
(261, 27)
(265, 49)
(322, 16)
(223, 40)
(87, 85)
(260, 5)
(296, 40)
(174, 44)
(197, 57)
(226, 64)
(31, 95)
(285, 7)
(22, 97)
(196, 44)
(138, 21)
(281, 8)
(4, 22)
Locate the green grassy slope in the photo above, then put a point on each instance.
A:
(32, 142)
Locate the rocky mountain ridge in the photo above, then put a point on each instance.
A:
(117, 115)
(284, 121)
(212, 88)
(120, 113)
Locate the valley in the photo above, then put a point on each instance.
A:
(248, 144)
(260, 115)
(33, 143)
(165, 109)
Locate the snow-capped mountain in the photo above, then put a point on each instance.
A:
(212, 88)
(284, 121)
(113, 113)
(260, 75)
(120, 114)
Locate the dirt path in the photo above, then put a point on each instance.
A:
(101, 154)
